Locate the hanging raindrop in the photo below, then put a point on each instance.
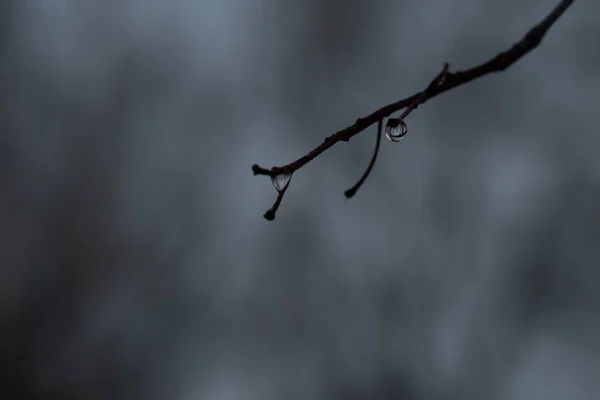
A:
(395, 129)
(280, 181)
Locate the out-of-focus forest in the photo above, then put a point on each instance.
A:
(134, 259)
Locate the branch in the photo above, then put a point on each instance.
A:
(443, 82)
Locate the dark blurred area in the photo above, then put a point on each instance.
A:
(134, 259)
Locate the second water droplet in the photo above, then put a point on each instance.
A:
(281, 181)
(395, 129)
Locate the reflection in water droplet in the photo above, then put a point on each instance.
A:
(395, 129)
(281, 181)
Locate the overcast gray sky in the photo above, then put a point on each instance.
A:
(135, 261)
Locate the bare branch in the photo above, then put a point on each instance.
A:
(443, 82)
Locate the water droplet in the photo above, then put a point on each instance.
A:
(281, 181)
(395, 129)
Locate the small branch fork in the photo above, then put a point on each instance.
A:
(443, 82)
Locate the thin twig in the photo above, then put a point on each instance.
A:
(352, 191)
(425, 94)
(498, 63)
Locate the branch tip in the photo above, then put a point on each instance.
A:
(269, 215)
(257, 170)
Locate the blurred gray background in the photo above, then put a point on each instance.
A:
(135, 261)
